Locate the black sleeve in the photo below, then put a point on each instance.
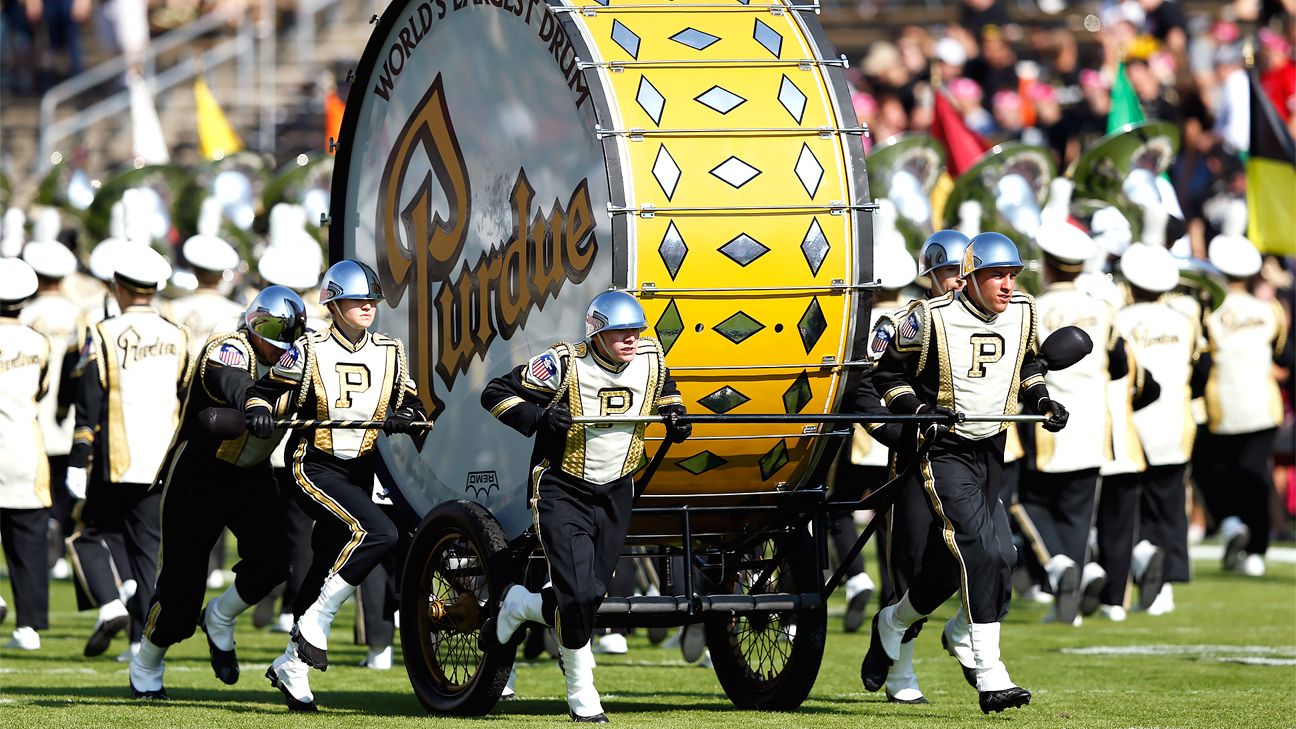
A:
(893, 378)
(1032, 381)
(1118, 360)
(670, 395)
(89, 411)
(227, 385)
(268, 390)
(1286, 358)
(1146, 389)
(68, 381)
(513, 403)
(1201, 374)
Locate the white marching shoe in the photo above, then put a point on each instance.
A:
(314, 625)
(1147, 566)
(510, 686)
(995, 688)
(128, 655)
(1092, 581)
(291, 676)
(282, 624)
(1064, 581)
(146, 671)
(1253, 565)
(1234, 535)
(956, 639)
(378, 659)
(902, 682)
(582, 698)
(1164, 602)
(1114, 613)
(25, 639)
(612, 644)
(519, 606)
(859, 590)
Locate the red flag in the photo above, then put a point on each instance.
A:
(963, 147)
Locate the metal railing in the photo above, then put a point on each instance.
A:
(240, 48)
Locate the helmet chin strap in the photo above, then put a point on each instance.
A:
(974, 294)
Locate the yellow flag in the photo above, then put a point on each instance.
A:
(216, 138)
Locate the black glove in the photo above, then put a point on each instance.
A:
(259, 422)
(676, 432)
(555, 421)
(1057, 415)
(950, 418)
(401, 421)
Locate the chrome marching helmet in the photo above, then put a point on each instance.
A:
(990, 250)
(350, 279)
(943, 248)
(277, 316)
(614, 310)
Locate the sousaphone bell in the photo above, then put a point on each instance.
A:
(904, 169)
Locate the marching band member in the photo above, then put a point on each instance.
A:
(134, 368)
(1058, 494)
(974, 349)
(1166, 343)
(206, 311)
(209, 483)
(24, 470)
(53, 314)
(1243, 405)
(582, 487)
(343, 373)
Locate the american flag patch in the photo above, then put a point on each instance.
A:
(231, 355)
(881, 338)
(289, 358)
(544, 367)
(909, 329)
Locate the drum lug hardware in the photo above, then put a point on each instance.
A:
(836, 207)
(808, 430)
(647, 210)
(350, 75)
(325, 219)
(373, 19)
(647, 288)
(332, 145)
(838, 284)
(636, 135)
(776, 11)
(828, 361)
(805, 65)
(589, 12)
(781, 486)
(825, 132)
(615, 67)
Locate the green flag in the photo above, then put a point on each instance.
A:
(1125, 107)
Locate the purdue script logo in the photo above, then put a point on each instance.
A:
(455, 315)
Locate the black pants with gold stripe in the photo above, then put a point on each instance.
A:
(582, 530)
(1118, 516)
(1235, 474)
(968, 550)
(203, 496)
(1060, 507)
(22, 532)
(352, 533)
(1163, 517)
(128, 514)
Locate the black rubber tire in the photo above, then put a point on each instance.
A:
(458, 555)
(757, 663)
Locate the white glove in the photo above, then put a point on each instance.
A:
(76, 482)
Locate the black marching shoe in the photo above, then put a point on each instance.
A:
(103, 634)
(224, 663)
(293, 704)
(893, 700)
(596, 719)
(316, 658)
(876, 664)
(159, 695)
(969, 674)
(1009, 698)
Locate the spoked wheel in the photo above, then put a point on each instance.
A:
(770, 661)
(455, 568)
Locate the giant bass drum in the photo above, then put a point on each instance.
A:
(502, 162)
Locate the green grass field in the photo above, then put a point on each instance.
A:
(1225, 658)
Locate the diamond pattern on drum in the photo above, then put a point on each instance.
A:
(723, 400)
(744, 249)
(719, 98)
(669, 327)
(815, 246)
(650, 100)
(777, 458)
(736, 172)
(808, 170)
(798, 395)
(701, 463)
(666, 172)
(672, 250)
(738, 327)
(792, 99)
(768, 37)
(694, 38)
(626, 38)
(811, 325)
